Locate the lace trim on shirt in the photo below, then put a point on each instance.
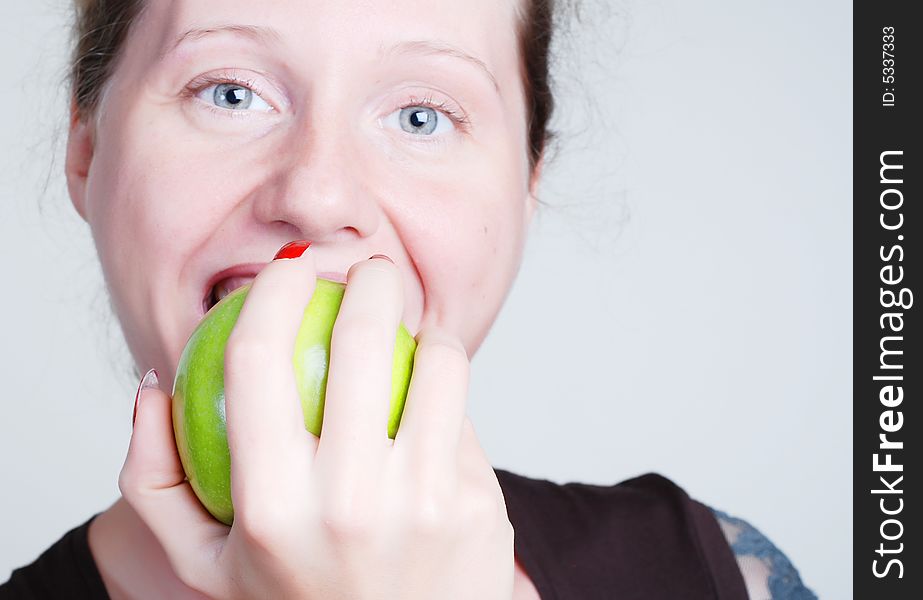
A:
(768, 573)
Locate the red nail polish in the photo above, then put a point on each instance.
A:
(384, 256)
(150, 380)
(292, 249)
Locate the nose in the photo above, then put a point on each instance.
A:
(318, 189)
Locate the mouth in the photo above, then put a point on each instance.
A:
(224, 282)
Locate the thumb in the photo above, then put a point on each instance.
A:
(153, 483)
(153, 462)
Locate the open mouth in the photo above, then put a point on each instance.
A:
(227, 281)
(222, 288)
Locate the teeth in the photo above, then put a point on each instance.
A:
(226, 286)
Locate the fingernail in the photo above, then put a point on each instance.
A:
(292, 249)
(384, 256)
(150, 380)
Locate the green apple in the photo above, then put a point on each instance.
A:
(198, 391)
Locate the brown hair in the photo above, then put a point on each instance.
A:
(101, 27)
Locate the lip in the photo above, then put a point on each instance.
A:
(252, 270)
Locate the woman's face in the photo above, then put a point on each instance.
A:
(232, 127)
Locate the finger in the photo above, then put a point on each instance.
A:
(475, 471)
(152, 481)
(354, 437)
(434, 412)
(473, 463)
(270, 449)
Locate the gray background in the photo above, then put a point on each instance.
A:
(684, 305)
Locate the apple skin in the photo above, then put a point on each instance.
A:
(199, 422)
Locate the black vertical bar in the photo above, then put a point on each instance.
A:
(887, 368)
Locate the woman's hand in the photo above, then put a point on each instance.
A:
(350, 514)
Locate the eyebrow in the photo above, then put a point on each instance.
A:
(270, 36)
(265, 35)
(434, 48)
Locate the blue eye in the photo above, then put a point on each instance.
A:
(234, 96)
(420, 120)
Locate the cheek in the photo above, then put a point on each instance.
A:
(163, 192)
(463, 227)
(144, 205)
(153, 200)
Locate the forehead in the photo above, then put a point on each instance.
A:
(483, 29)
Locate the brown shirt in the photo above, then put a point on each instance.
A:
(643, 538)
